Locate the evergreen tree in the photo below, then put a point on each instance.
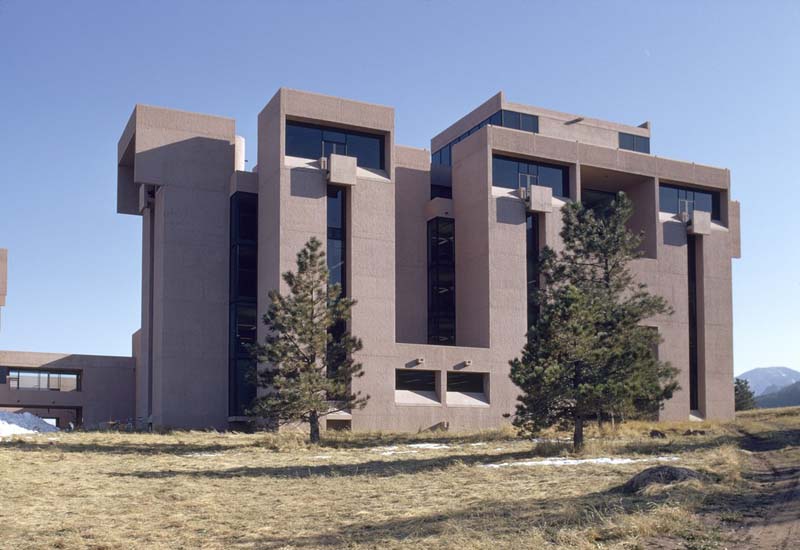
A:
(588, 353)
(308, 352)
(744, 399)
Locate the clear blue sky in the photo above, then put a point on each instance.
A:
(718, 80)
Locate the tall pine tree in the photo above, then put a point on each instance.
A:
(308, 352)
(588, 353)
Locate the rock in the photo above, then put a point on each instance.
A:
(656, 434)
(663, 475)
(694, 432)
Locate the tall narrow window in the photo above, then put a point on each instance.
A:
(691, 252)
(441, 282)
(336, 253)
(532, 265)
(243, 297)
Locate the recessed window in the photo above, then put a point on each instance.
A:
(631, 142)
(312, 142)
(441, 282)
(598, 201)
(415, 380)
(466, 382)
(513, 173)
(674, 199)
(467, 389)
(504, 118)
(19, 379)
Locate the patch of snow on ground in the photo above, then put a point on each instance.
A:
(577, 461)
(481, 444)
(22, 423)
(429, 446)
(321, 457)
(390, 453)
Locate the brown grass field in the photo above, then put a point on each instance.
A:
(215, 490)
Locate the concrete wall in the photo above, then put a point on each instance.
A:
(106, 392)
(180, 165)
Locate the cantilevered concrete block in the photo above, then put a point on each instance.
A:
(342, 170)
(540, 199)
(439, 207)
(699, 223)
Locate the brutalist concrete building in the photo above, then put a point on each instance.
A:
(438, 246)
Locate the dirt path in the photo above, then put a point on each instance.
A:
(774, 508)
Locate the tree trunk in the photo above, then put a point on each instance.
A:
(600, 421)
(577, 436)
(313, 422)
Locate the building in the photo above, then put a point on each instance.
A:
(437, 249)
(65, 389)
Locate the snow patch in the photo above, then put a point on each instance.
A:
(578, 461)
(198, 455)
(429, 446)
(22, 423)
(321, 457)
(390, 453)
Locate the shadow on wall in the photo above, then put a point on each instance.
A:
(510, 210)
(675, 233)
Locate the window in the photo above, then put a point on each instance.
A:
(242, 329)
(20, 379)
(465, 382)
(674, 199)
(443, 191)
(441, 282)
(598, 201)
(336, 252)
(631, 142)
(691, 257)
(532, 265)
(513, 173)
(312, 142)
(415, 380)
(507, 119)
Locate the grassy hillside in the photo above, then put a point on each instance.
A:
(488, 490)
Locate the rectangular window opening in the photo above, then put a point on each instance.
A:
(312, 141)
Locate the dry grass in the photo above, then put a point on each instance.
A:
(198, 489)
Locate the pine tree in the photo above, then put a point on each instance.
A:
(588, 353)
(308, 351)
(744, 399)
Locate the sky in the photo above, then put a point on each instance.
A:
(717, 80)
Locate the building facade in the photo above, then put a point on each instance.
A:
(438, 247)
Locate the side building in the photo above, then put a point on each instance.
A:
(438, 249)
(66, 390)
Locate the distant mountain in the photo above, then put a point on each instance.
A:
(770, 379)
(788, 396)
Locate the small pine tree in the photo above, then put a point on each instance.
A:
(308, 351)
(587, 352)
(744, 399)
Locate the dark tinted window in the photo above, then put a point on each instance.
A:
(640, 144)
(336, 252)
(511, 119)
(529, 123)
(598, 201)
(415, 380)
(312, 142)
(443, 191)
(466, 382)
(506, 173)
(674, 199)
(446, 155)
(441, 281)
(626, 141)
(303, 141)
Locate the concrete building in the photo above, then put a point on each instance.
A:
(65, 389)
(437, 249)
